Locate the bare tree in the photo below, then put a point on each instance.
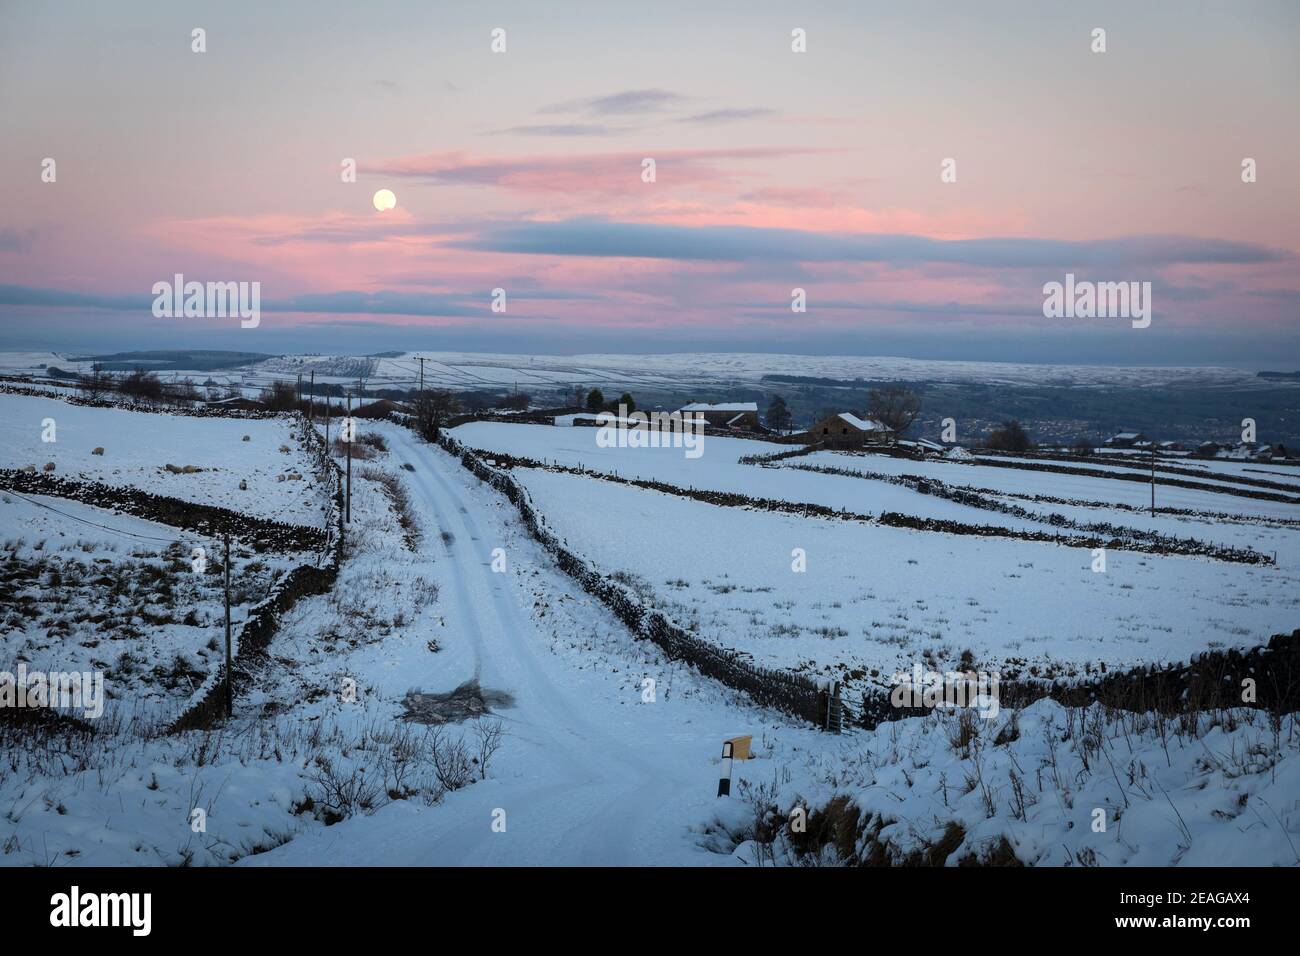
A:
(895, 407)
(184, 391)
(432, 409)
(281, 397)
(1010, 436)
(141, 384)
(97, 383)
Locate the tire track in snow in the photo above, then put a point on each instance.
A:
(590, 815)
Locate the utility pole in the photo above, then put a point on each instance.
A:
(348, 427)
(1153, 479)
(230, 706)
(311, 399)
(421, 359)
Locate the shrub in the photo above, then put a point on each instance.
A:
(397, 497)
(282, 397)
(360, 452)
(344, 793)
(1010, 436)
(142, 384)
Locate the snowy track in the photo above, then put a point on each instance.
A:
(589, 775)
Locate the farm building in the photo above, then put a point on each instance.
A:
(742, 416)
(1128, 440)
(846, 430)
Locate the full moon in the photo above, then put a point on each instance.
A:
(384, 199)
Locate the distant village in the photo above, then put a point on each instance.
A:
(891, 413)
(1241, 451)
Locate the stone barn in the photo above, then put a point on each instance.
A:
(846, 430)
(741, 416)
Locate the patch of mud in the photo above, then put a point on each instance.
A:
(467, 701)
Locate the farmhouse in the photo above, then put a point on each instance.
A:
(1128, 440)
(846, 430)
(742, 416)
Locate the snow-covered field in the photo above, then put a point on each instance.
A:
(594, 765)
(88, 590)
(137, 447)
(1266, 526)
(878, 599)
(475, 370)
(587, 771)
(875, 600)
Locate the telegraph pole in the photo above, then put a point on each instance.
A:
(421, 358)
(348, 427)
(311, 399)
(230, 706)
(1153, 479)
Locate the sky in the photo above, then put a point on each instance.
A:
(774, 170)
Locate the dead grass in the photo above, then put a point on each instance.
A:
(395, 491)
